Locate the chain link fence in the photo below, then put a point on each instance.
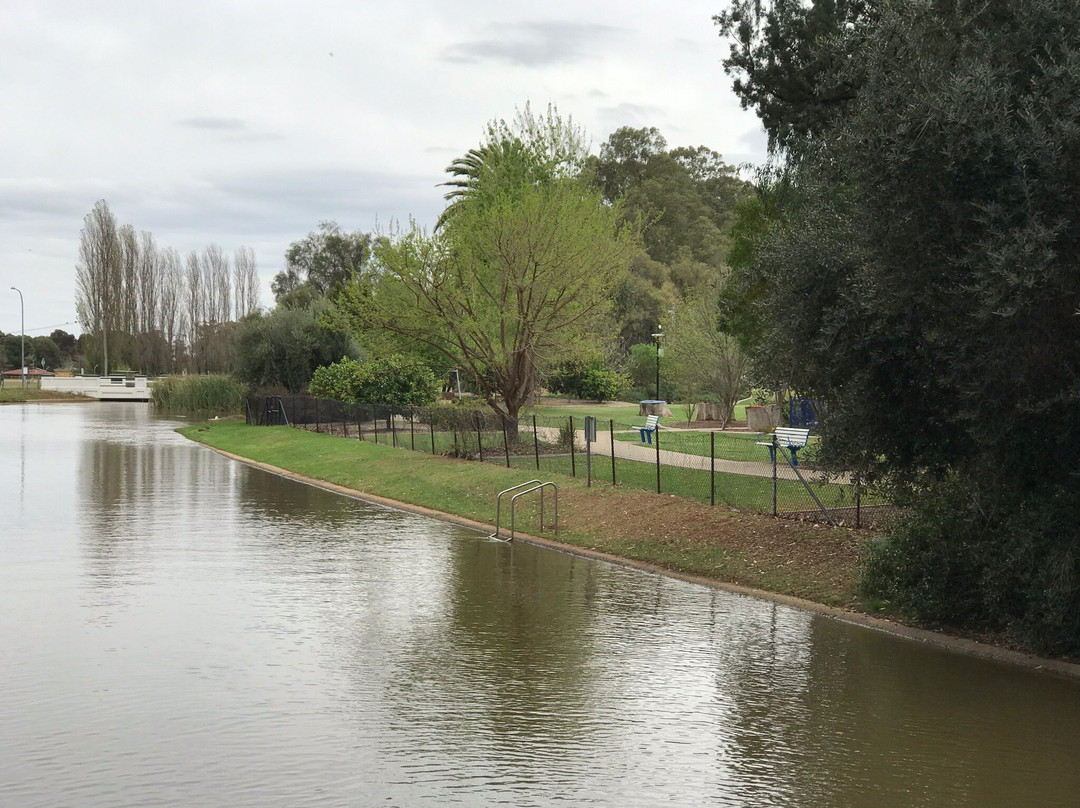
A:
(741, 470)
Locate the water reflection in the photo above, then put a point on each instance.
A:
(179, 629)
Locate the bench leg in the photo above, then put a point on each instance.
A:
(642, 432)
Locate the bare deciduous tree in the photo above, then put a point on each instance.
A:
(245, 282)
(194, 309)
(97, 275)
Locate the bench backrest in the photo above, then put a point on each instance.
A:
(652, 422)
(792, 437)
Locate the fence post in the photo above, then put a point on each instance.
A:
(858, 509)
(412, 429)
(393, 426)
(573, 468)
(656, 441)
(317, 425)
(431, 429)
(506, 445)
(359, 424)
(479, 439)
(712, 468)
(611, 433)
(375, 422)
(536, 444)
(772, 451)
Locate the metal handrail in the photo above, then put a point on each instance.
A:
(540, 488)
(498, 505)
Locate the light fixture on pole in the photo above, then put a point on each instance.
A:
(22, 333)
(659, 352)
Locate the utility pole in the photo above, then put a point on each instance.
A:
(22, 334)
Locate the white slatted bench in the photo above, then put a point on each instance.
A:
(791, 438)
(652, 423)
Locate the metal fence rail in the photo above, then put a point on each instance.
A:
(722, 468)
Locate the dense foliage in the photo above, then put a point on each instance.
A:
(922, 281)
(685, 198)
(589, 379)
(319, 263)
(283, 348)
(395, 379)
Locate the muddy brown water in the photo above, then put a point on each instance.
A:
(180, 629)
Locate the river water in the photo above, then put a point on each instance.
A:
(178, 629)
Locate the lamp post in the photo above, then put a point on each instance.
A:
(659, 333)
(22, 334)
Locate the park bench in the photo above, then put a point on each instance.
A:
(652, 423)
(791, 438)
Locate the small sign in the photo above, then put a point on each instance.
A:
(590, 428)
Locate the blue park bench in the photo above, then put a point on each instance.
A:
(652, 423)
(790, 438)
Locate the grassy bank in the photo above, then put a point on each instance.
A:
(13, 394)
(781, 556)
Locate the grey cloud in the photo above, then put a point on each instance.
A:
(229, 129)
(289, 203)
(533, 44)
(636, 115)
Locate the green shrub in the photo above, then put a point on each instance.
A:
(214, 393)
(970, 554)
(340, 381)
(589, 379)
(398, 380)
(601, 384)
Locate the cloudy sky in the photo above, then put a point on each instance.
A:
(246, 123)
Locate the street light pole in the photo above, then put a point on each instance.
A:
(659, 333)
(22, 334)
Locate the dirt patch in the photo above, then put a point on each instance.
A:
(803, 559)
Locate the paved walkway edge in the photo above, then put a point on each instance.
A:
(956, 644)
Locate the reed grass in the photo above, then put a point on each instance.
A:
(212, 393)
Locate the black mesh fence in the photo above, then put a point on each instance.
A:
(741, 470)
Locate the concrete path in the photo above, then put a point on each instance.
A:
(634, 450)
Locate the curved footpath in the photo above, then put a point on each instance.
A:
(957, 644)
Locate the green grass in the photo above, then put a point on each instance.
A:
(551, 409)
(739, 446)
(620, 412)
(749, 493)
(740, 491)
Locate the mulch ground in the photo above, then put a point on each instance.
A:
(812, 558)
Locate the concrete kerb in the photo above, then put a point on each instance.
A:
(1058, 667)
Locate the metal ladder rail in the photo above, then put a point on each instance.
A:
(540, 488)
(498, 507)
